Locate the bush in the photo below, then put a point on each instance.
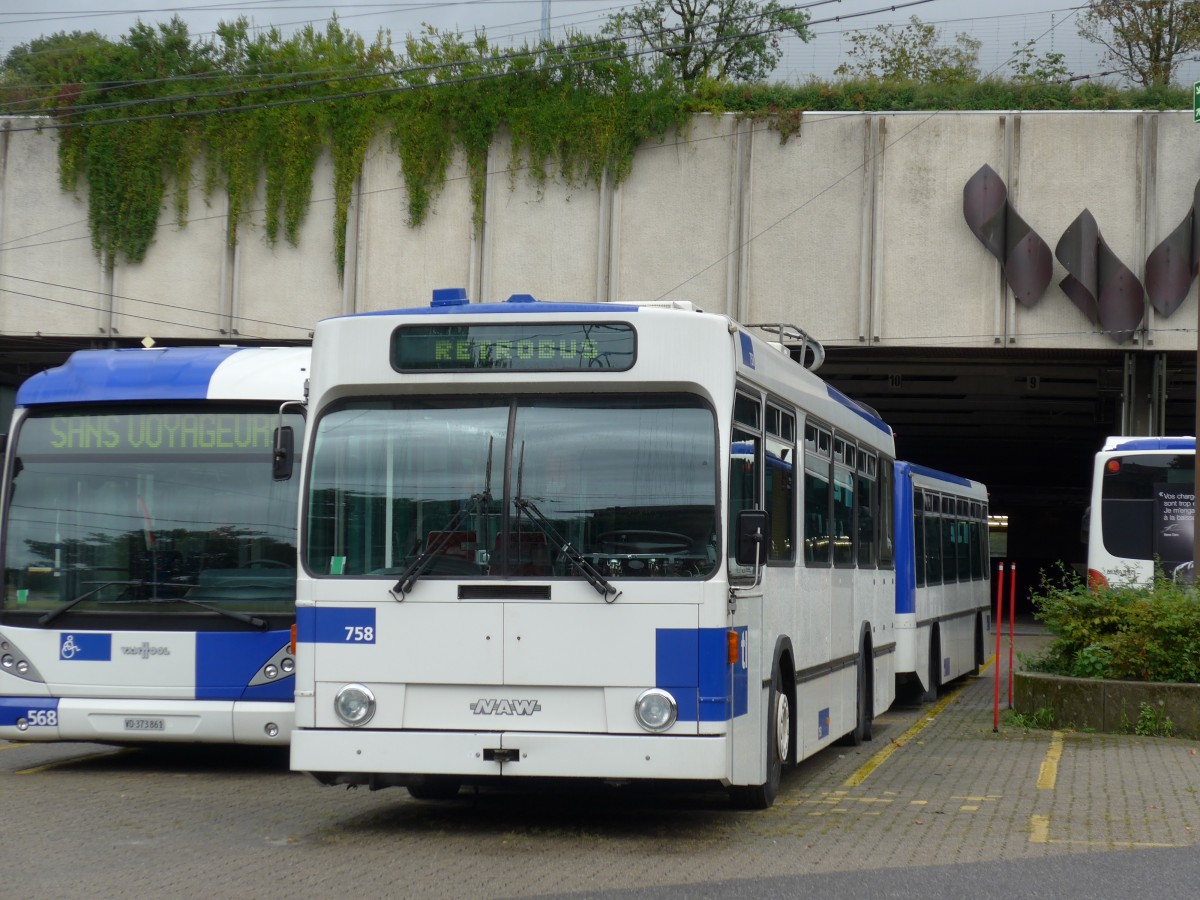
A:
(1129, 633)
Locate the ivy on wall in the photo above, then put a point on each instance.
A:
(256, 110)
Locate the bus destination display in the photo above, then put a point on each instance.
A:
(537, 347)
(157, 432)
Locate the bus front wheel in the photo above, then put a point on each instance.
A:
(779, 749)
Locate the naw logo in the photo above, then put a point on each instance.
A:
(504, 707)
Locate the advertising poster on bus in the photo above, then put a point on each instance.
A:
(1174, 516)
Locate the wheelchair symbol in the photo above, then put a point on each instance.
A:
(69, 647)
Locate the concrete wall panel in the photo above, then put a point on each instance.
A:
(398, 266)
(180, 289)
(937, 284)
(281, 291)
(1069, 163)
(807, 227)
(540, 239)
(674, 232)
(53, 282)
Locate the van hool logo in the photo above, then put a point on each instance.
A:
(145, 651)
(494, 707)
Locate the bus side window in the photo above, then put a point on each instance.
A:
(780, 488)
(744, 455)
(817, 496)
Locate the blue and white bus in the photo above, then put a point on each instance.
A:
(607, 541)
(1142, 510)
(943, 570)
(149, 548)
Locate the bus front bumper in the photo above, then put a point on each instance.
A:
(329, 754)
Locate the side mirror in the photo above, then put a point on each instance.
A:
(281, 459)
(751, 536)
(1085, 525)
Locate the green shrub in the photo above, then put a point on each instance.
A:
(1147, 633)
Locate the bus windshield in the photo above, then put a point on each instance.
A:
(1146, 506)
(497, 486)
(154, 511)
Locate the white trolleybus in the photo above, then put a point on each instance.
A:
(149, 548)
(567, 540)
(1141, 510)
(943, 568)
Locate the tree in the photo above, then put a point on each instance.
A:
(914, 52)
(47, 70)
(1144, 40)
(1030, 69)
(715, 40)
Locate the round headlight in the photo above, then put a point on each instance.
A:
(655, 710)
(22, 666)
(7, 661)
(354, 704)
(270, 671)
(288, 665)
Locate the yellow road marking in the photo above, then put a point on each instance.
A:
(1048, 773)
(881, 757)
(1039, 829)
(1039, 833)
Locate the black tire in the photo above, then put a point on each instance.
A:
(433, 787)
(934, 677)
(864, 714)
(779, 751)
(978, 646)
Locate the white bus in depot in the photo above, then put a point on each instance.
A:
(1142, 510)
(583, 540)
(943, 569)
(149, 548)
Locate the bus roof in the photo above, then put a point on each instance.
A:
(174, 373)
(935, 474)
(1129, 444)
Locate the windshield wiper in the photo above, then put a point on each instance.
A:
(66, 607)
(602, 585)
(480, 502)
(232, 614)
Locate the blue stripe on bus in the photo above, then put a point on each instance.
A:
(13, 708)
(91, 376)
(692, 664)
(335, 625)
(859, 409)
(226, 663)
(906, 566)
(1159, 443)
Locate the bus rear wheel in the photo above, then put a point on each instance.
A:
(779, 751)
(935, 670)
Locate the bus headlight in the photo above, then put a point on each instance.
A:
(655, 710)
(354, 704)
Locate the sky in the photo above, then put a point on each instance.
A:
(999, 25)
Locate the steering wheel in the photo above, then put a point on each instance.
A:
(640, 540)
(266, 564)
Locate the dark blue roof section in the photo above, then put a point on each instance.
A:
(518, 308)
(860, 409)
(938, 475)
(97, 376)
(1156, 443)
